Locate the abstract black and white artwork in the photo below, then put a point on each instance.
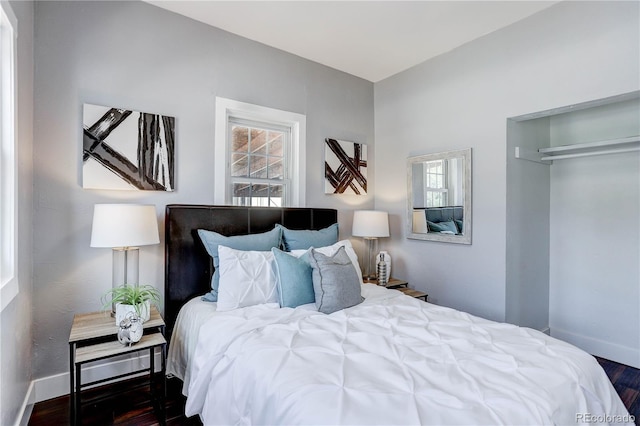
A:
(124, 149)
(345, 167)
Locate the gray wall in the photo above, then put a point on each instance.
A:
(134, 55)
(570, 53)
(16, 322)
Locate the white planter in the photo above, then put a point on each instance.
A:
(122, 311)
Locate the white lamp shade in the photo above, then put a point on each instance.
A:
(124, 225)
(370, 224)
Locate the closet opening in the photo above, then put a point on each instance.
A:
(573, 225)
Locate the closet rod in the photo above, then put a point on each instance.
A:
(587, 145)
(589, 154)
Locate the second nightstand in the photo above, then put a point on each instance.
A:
(396, 283)
(403, 286)
(413, 293)
(393, 283)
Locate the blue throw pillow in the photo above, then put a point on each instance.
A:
(295, 282)
(459, 224)
(256, 242)
(442, 226)
(302, 240)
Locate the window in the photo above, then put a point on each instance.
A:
(8, 161)
(436, 183)
(259, 156)
(258, 163)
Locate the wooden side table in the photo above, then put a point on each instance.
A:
(392, 283)
(402, 286)
(93, 337)
(396, 283)
(414, 293)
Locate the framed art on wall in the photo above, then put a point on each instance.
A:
(125, 149)
(345, 167)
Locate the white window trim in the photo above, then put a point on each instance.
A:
(298, 124)
(445, 184)
(8, 143)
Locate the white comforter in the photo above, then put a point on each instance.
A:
(390, 360)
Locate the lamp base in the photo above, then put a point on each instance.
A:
(125, 269)
(370, 269)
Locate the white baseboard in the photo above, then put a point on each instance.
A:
(612, 351)
(58, 384)
(27, 407)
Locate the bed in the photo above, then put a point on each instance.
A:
(390, 359)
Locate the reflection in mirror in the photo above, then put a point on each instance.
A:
(439, 201)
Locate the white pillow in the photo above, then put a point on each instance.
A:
(247, 278)
(332, 249)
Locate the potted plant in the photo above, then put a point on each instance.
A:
(129, 298)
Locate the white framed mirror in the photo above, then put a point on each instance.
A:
(439, 197)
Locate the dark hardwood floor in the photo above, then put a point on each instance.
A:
(122, 403)
(132, 407)
(626, 380)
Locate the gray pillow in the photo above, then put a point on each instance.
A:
(335, 282)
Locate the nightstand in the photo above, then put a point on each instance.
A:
(402, 286)
(413, 293)
(396, 283)
(393, 283)
(93, 337)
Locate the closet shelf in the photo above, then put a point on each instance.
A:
(588, 149)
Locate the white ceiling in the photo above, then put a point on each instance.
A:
(369, 39)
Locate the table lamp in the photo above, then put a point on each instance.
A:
(371, 225)
(123, 228)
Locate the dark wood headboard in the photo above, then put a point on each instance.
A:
(188, 267)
